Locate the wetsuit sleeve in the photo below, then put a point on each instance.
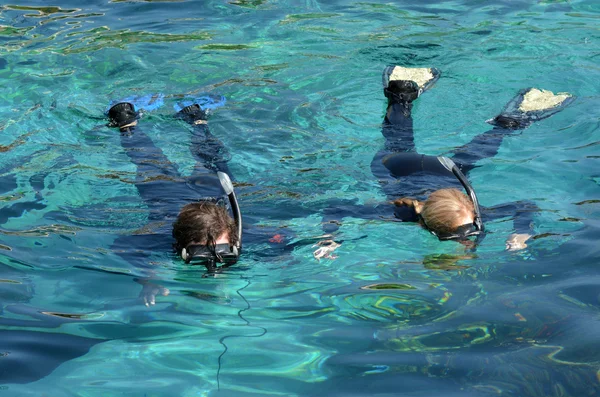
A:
(404, 164)
(336, 210)
(520, 211)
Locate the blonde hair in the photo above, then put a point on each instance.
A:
(446, 209)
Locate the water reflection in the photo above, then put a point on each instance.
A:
(395, 314)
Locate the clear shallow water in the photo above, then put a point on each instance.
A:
(302, 122)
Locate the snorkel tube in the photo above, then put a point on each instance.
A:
(235, 208)
(452, 167)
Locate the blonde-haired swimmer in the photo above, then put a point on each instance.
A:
(444, 211)
(447, 212)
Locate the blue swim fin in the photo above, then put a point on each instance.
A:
(207, 102)
(144, 103)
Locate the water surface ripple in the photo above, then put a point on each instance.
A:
(398, 313)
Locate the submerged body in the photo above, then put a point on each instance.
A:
(408, 177)
(191, 204)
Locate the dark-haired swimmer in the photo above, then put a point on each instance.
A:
(202, 209)
(207, 225)
(407, 176)
(204, 227)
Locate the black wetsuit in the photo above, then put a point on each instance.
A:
(164, 191)
(403, 172)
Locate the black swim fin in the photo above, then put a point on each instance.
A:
(192, 114)
(121, 114)
(420, 79)
(530, 105)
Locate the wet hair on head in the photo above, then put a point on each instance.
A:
(203, 222)
(446, 209)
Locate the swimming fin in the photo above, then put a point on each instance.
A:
(144, 103)
(424, 78)
(122, 114)
(530, 105)
(193, 114)
(127, 110)
(205, 102)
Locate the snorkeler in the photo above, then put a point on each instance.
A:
(202, 209)
(207, 225)
(407, 176)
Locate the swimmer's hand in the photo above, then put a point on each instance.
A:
(517, 241)
(325, 250)
(149, 292)
(409, 202)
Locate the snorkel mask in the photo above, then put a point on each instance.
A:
(468, 229)
(225, 254)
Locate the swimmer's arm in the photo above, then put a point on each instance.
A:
(283, 241)
(150, 290)
(522, 214)
(407, 209)
(332, 219)
(337, 210)
(136, 250)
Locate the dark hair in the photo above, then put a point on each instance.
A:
(203, 222)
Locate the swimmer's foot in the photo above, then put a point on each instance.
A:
(195, 110)
(529, 106)
(193, 114)
(123, 115)
(404, 85)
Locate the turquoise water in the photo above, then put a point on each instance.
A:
(302, 122)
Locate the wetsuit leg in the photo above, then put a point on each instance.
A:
(528, 106)
(160, 187)
(397, 128)
(209, 151)
(150, 160)
(398, 124)
(482, 146)
(157, 179)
